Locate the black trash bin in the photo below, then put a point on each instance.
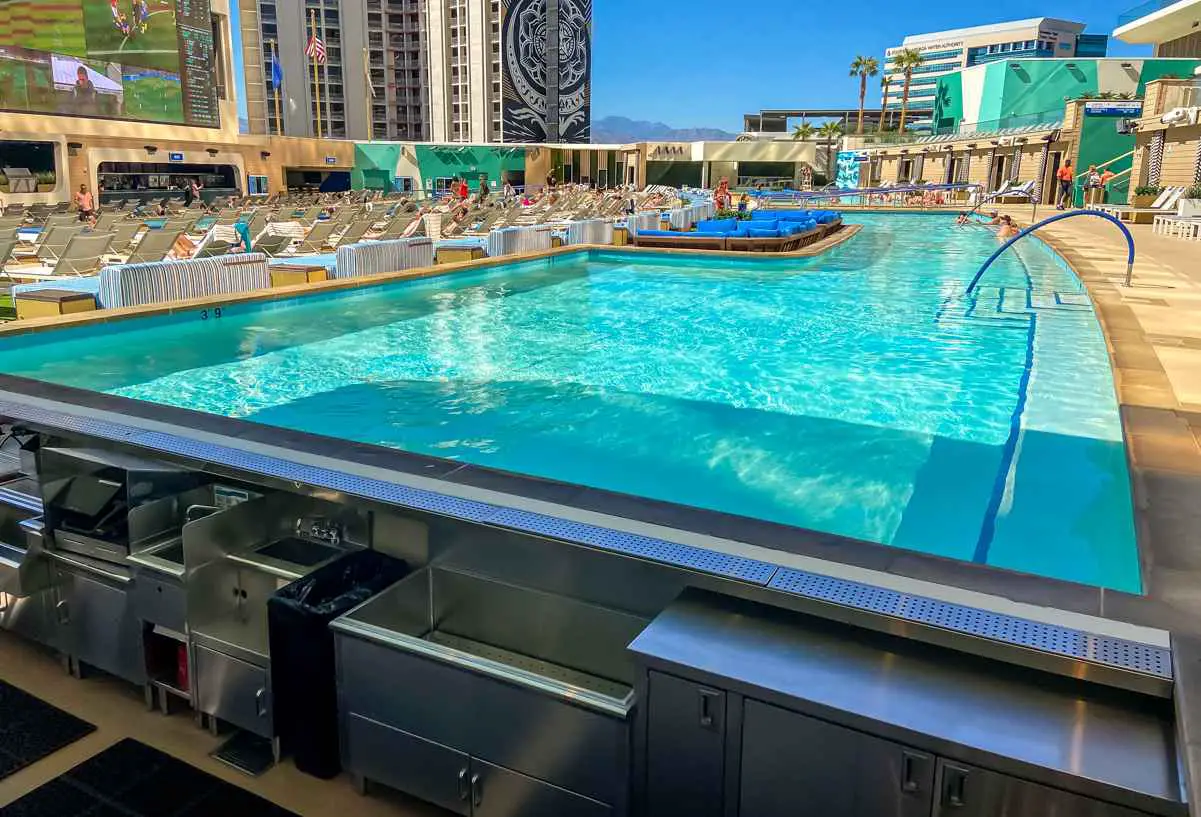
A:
(303, 684)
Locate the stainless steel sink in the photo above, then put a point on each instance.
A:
(300, 552)
(557, 645)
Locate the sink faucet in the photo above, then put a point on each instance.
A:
(320, 529)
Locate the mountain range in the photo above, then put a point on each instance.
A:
(619, 130)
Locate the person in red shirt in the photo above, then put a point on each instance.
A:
(1066, 180)
(463, 191)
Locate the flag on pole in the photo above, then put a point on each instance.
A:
(367, 73)
(315, 49)
(277, 72)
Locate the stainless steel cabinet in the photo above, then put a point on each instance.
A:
(797, 766)
(499, 792)
(967, 791)
(452, 779)
(96, 625)
(231, 690)
(686, 732)
(159, 601)
(424, 769)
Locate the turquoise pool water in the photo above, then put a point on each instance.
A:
(857, 393)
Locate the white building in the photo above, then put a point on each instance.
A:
(947, 51)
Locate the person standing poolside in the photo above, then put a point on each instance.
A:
(1106, 177)
(744, 203)
(1065, 177)
(1092, 186)
(85, 203)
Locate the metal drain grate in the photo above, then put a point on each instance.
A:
(1113, 652)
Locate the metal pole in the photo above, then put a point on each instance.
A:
(370, 96)
(279, 117)
(316, 77)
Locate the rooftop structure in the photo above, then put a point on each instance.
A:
(947, 51)
(1172, 26)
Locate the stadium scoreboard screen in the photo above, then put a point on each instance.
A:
(145, 60)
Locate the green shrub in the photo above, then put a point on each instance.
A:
(1193, 192)
(1148, 190)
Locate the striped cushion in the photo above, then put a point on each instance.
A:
(374, 257)
(139, 284)
(592, 231)
(513, 240)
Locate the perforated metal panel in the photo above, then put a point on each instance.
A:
(693, 558)
(1113, 652)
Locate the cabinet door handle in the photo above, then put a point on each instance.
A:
(477, 792)
(64, 612)
(260, 703)
(954, 783)
(707, 698)
(912, 764)
(463, 794)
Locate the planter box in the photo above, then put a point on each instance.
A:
(46, 188)
(1189, 208)
(1145, 201)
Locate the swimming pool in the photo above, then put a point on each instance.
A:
(857, 393)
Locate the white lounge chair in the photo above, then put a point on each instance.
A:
(1164, 204)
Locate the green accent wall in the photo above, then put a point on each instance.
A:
(374, 166)
(1100, 142)
(1155, 69)
(441, 161)
(948, 103)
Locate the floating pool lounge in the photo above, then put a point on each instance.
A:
(857, 393)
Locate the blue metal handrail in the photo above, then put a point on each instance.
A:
(1045, 222)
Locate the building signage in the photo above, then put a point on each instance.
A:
(1108, 108)
(175, 157)
(943, 46)
(331, 160)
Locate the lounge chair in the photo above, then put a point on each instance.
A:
(219, 241)
(272, 244)
(317, 241)
(54, 240)
(154, 246)
(1164, 204)
(83, 255)
(123, 233)
(353, 234)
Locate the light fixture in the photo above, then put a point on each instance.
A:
(1127, 65)
(1071, 65)
(73, 148)
(151, 149)
(266, 154)
(211, 151)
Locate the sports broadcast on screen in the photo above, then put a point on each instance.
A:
(149, 60)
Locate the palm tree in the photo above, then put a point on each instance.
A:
(906, 60)
(802, 131)
(863, 67)
(830, 132)
(885, 83)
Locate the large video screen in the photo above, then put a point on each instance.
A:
(149, 60)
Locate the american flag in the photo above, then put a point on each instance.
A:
(315, 49)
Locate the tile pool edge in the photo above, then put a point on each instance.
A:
(1042, 634)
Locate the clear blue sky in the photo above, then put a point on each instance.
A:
(704, 63)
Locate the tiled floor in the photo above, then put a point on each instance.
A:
(118, 711)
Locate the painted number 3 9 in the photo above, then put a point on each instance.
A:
(204, 313)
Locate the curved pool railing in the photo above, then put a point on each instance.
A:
(1058, 217)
